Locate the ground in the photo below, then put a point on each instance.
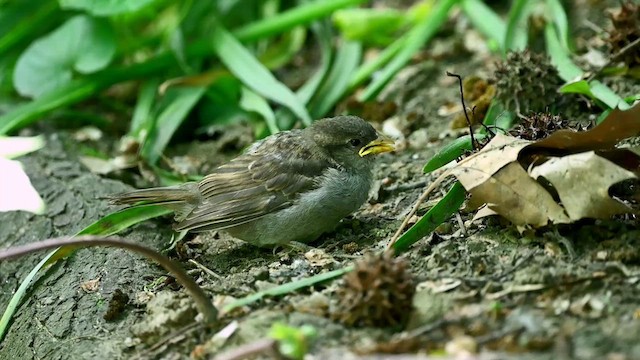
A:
(557, 293)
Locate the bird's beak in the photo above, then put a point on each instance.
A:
(377, 146)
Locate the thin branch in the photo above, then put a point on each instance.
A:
(206, 308)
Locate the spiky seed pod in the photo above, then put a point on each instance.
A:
(538, 126)
(626, 29)
(378, 292)
(527, 82)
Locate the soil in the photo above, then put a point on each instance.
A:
(557, 293)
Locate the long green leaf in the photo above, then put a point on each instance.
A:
(298, 15)
(450, 152)
(287, 288)
(21, 19)
(86, 87)
(486, 21)
(417, 37)
(367, 69)
(336, 82)
(560, 57)
(559, 18)
(168, 121)
(253, 74)
(108, 225)
(251, 101)
(142, 113)
(440, 212)
(517, 34)
(572, 74)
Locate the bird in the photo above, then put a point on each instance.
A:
(290, 187)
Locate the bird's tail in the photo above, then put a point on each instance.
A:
(181, 199)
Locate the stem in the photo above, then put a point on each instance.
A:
(203, 302)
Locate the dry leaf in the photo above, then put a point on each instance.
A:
(512, 193)
(582, 182)
(479, 167)
(619, 125)
(496, 175)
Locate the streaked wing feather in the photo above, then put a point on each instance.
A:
(264, 180)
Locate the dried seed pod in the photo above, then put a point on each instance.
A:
(378, 292)
(538, 126)
(626, 29)
(527, 82)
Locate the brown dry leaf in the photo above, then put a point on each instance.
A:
(619, 125)
(479, 167)
(582, 182)
(512, 193)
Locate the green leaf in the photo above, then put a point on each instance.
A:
(253, 74)
(105, 7)
(417, 37)
(251, 101)
(142, 119)
(21, 20)
(569, 72)
(293, 343)
(123, 219)
(335, 84)
(497, 117)
(517, 34)
(84, 88)
(486, 21)
(108, 225)
(375, 26)
(299, 15)
(560, 57)
(559, 18)
(446, 207)
(287, 288)
(451, 151)
(81, 44)
(177, 104)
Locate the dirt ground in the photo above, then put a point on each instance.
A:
(558, 293)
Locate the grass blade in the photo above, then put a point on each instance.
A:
(572, 74)
(417, 37)
(169, 119)
(287, 288)
(486, 21)
(446, 207)
(367, 69)
(517, 34)
(560, 57)
(322, 31)
(108, 225)
(253, 74)
(142, 117)
(450, 152)
(559, 18)
(251, 101)
(86, 87)
(336, 82)
(298, 15)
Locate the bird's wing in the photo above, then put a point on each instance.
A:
(269, 177)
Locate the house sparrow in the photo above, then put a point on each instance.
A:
(291, 186)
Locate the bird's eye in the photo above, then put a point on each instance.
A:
(355, 142)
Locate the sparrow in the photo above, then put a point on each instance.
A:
(292, 186)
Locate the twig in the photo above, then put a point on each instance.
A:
(413, 211)
(624, 51)
(264, 346)
(464, 106)
(206, 308)
(205, 269)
